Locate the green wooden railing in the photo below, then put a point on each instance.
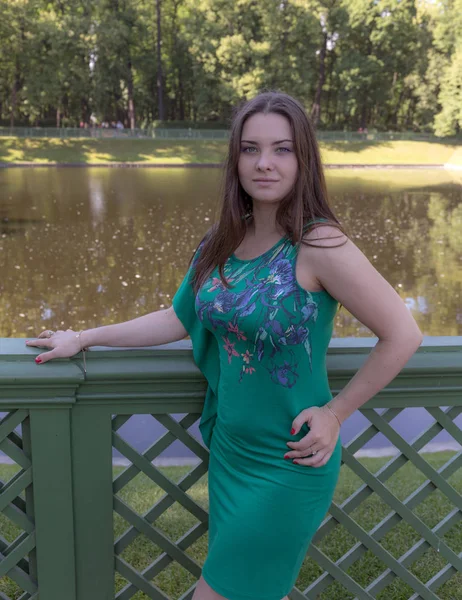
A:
(64, 498)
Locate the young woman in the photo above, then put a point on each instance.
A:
(259, 301)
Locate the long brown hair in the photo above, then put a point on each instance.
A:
(305, 202)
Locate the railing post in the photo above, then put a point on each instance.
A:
(93, 501)
(50, 436)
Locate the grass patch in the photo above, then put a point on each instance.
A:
(141, 494)
(55, 150)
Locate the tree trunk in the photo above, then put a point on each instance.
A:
(131, 102)
(316, 108)
(14, 91)
(160, 91)
(181, 95)
(13, 103)
(363, 123)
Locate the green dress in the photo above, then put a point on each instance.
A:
(262, 347)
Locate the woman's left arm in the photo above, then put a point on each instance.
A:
(351, 279)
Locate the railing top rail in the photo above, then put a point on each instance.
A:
(432, 377)
(17, 347)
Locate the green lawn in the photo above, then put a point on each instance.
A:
(141, 494)
(55, 150)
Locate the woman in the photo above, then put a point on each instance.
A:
(259, 301)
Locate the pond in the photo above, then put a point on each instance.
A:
(92, 246)
(87, 247)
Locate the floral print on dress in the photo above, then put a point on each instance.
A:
(281, 313)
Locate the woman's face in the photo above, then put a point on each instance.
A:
(267, 167)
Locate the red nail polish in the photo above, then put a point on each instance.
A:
(286, 456)
(292, 431)
(38, 360)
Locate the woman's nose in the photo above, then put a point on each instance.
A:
(264, 161)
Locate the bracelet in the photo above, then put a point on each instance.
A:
(83, 350)
(334, 413)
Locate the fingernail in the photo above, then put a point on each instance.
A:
(295, 461)
(38, 360)
(292, 431)
(286, 456)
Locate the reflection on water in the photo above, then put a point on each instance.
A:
(86, 247)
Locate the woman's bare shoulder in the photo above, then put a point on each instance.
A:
(325, 236)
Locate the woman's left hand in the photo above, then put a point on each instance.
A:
(315, 449)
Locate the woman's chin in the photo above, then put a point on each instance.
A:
(267, 198)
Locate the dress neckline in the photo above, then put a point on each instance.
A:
(247, 260)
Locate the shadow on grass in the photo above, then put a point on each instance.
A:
(361, 146)
(54, 150)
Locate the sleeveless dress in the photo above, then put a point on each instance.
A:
(271, 337)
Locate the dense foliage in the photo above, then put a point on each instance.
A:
(385, 64)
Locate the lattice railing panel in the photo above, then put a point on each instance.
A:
(383, 539)
(159, 544)
(374, 542)
(17, 530)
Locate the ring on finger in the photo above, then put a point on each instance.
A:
(49, 333)
(314, 452)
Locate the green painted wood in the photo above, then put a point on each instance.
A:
(27, 596)
(20, 577)
(15, 453)
(369, 432)
(156, 537)
(437, 580)
(296, 594)
(150, 453)
(446, 421)
(25, 509)
(10, 422)
(19, 517)
(6, 549)
(164, 560)
(414, 553)
(382, 554)
(160, 507)
(10, 561)
(364, 491)
(141, 582)
(50, 432)
(408, 451)
(183, 436)
(92, 498)
(342, 577)
(188, 594)
(11, 490)
(165, 380)
(159, 478)
(403, 511)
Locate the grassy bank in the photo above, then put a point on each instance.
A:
(54, 150)
(141, 494)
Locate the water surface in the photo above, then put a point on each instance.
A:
(86, 247)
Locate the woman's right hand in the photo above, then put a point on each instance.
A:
(62, 344)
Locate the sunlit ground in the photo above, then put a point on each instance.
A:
(55, 150)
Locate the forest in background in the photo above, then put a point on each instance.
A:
(381, 64)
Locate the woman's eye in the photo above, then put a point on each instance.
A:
(250, 149)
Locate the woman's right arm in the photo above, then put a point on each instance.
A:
(154, 329)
